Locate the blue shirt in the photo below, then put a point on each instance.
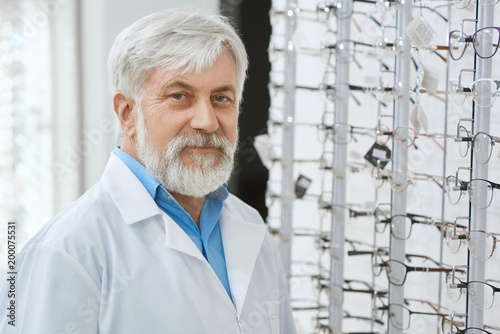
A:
(208, 238)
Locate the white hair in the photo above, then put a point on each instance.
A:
(178, 41)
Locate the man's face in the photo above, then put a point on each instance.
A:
(187, 129)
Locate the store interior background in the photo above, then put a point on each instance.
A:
(59, 129)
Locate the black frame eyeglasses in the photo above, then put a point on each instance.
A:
(408, 220)
(400, 315)
(397, 270)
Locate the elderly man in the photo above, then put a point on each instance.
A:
(158, 245)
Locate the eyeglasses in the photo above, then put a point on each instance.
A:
(480, 191)
(400, 315)
(483, 144)
(484, 41)
(341, 133)
(397, 270)
(483, 91)
(451, 327)
(481, 294)
(398, 179)
(404, 136)
(462, 4)
(404, 220)
(481, 244)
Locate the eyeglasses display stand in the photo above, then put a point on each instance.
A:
(481, 116)
(365, 107)
(337, 236)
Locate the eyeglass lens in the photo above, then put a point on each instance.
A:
(399, 316)
(483, 147)
(488, 46)
(457, 47)
(484, 91)
(341, 133)
(481, 295)
(396, 272)
(480, 193)
(452, 239)
(481, 244)
(454, 195)
(458, 93)
(463, 146)
(404, 136)
(401, 227)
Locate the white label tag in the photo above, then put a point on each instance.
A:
(380, 154)
(420, 32)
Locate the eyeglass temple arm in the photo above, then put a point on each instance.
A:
(427, 269)
(430, 313)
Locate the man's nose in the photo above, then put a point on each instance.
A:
(205, 118)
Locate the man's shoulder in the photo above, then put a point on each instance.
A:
(80, 220)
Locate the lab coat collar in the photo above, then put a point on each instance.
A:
(242, 240)
(242, 243)
(131, 198)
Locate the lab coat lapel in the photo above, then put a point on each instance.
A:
(242, 242)
(135, 205)
(177, 239)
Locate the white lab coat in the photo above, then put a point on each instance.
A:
(113, 262)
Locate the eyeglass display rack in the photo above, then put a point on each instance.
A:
(478, 218)
(298, 216)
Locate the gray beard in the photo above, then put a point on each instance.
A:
(207, 172)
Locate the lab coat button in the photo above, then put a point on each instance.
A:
(168, 197)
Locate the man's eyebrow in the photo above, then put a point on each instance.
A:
(225, 88)
(180, 84)
(177, 84)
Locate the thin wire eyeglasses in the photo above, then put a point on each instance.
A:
(481, 244)
(400, 180)
(483, 91)
(484, 41)
(462, 4)
(480, 191)
(481, 294)
(482, 141)
(405, 136)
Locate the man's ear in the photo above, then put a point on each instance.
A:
(124, 107)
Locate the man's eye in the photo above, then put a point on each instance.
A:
(221, 99)
(178, 96)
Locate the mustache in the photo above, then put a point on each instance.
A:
(200, 139)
